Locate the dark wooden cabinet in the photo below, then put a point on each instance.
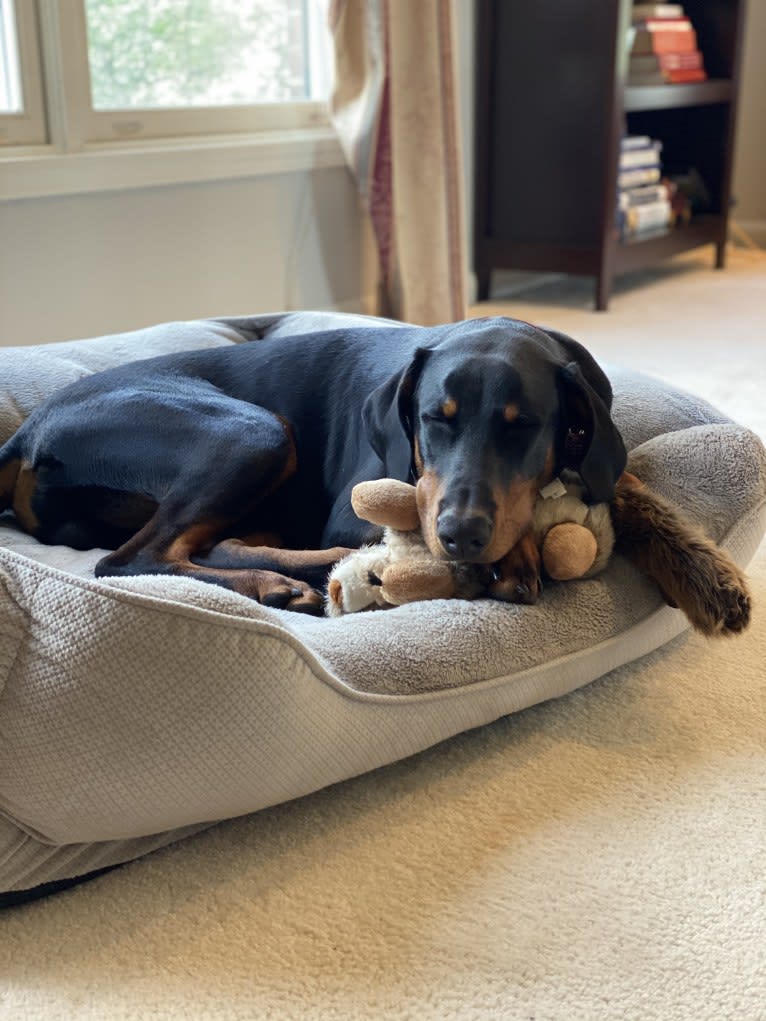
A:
(551, 106)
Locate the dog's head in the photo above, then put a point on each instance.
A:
(486, 417)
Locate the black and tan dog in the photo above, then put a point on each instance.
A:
(234, 465)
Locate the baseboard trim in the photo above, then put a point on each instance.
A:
(753, 229)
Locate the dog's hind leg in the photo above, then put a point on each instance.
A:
(222, 483)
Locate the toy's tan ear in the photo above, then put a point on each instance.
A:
(386, 502)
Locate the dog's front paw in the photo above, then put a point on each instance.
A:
(517, 575)
(719, 604)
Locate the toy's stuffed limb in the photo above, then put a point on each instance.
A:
(569, 551)
(386, 502)
(410, 581)
(580, 547)
(690, 570)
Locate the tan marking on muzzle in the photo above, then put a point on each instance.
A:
(429, 493)
(515, 507)
(417, 457)
(513, 517)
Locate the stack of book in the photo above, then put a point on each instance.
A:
(664, 47)
(643, 199)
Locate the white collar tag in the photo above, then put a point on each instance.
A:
(554, 490)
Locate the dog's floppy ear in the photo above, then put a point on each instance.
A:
(589, 441)
(592, 372)
(388, 417)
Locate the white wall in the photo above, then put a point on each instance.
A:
(82, 265)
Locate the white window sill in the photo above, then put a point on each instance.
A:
(37, 172)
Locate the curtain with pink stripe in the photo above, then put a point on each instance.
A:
(395, 110)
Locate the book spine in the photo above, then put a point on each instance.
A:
(643, 195)
(639, 176)
(641, 11)
(666, 24)
(649, 156)
(664, 42)
(683, 76)
(655, 214)
(645, 62)
(634, 142)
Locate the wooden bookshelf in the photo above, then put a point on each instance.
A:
(663, 97)
(551, 106)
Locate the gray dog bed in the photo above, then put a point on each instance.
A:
(136, 711)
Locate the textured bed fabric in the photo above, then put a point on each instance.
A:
(135, 711)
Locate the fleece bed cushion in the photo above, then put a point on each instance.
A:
(136, 711)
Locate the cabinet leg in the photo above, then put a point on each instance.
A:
(483, 277)
(720, 255)
(603, 291)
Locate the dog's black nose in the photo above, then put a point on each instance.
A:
(464, 538)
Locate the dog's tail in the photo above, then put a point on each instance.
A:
(691, 571)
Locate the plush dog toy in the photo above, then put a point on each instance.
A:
(575, 541)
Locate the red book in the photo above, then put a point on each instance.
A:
(643, 63)
(679, 76)
(660, 41)
(685, 74)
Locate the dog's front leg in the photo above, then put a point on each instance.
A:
(517, 574)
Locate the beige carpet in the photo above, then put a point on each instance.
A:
(598, 857)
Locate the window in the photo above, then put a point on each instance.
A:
(10, 83)
(151, 69)
(22, 119)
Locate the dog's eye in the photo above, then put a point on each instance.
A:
(522, 422)
(438, 417)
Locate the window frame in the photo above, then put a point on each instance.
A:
(27, 126)
(76, 155)
(86, 125)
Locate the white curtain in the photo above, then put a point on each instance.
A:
(395, 110)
